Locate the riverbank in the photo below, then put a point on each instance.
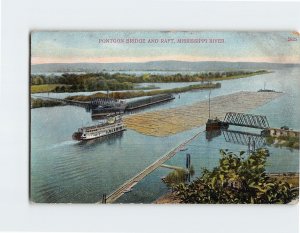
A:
(60, 88)
(39, 103)
(290, 178)
(241, 75)
(118, 81)
(283, 141)
(45, 88)
(134, 94)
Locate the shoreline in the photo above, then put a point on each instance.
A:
(45, 88)
(39, 102)
(131, 94)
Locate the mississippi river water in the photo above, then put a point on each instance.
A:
(65, 171)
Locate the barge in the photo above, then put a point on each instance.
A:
(142, 103)
(102, 107)
(111, 125)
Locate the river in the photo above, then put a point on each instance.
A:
(65, 171)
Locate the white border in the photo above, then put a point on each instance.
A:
(20, 17)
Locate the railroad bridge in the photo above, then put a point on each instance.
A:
(252, 140)
(246, 120)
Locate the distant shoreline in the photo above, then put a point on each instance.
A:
(123, 82)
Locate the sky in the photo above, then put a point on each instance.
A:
(113, 47)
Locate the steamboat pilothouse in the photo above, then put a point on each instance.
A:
(111, 125)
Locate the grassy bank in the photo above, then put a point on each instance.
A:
(59, 88)
(39, 103)
(133, 94)
(284, 141)
(292, 179)
(241, 75)
(45, 88)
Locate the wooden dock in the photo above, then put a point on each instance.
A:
(134, 180)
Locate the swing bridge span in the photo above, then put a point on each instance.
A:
(246, 120)
(250, 139)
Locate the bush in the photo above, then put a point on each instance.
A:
(237, 180)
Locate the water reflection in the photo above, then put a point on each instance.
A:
(254, 140)
(209, 135)
(244, 138)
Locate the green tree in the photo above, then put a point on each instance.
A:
(237, 180)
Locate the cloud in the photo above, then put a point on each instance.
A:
(45, 60)
(66, 47)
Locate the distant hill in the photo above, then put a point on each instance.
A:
(156, 66)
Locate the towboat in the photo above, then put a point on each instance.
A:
(216, 124)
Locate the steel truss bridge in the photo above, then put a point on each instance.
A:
(246, 120)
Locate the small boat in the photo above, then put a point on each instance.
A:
(183, 149)
(127, 190)
(266, 90)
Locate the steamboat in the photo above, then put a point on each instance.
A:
(111, 125)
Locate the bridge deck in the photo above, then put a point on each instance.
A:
(246, 120)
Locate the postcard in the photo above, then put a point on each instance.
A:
(164, 117)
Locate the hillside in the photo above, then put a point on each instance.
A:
(156, 66)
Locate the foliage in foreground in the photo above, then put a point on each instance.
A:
(237, 180)
(178, 176)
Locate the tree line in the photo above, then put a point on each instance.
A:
(119, 81)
